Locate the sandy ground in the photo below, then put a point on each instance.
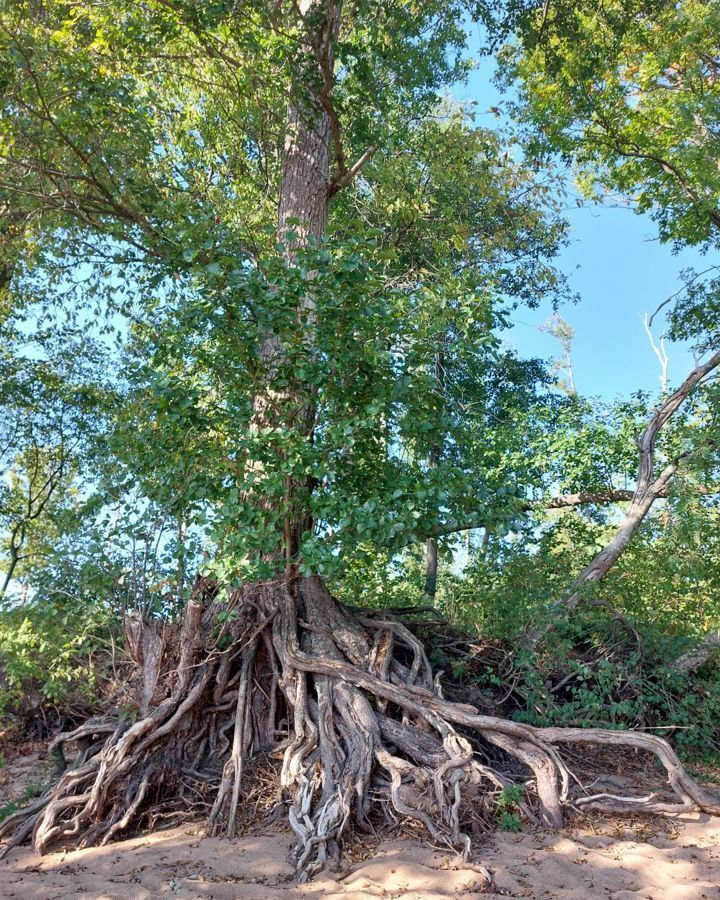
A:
(680, 865)
(607, 859)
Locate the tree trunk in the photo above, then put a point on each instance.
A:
(305, 174)
(302, 217)
(13, 226)
(431, 568)
(15, 542)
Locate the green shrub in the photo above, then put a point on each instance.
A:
(593, 673)
(507, 809)
(52, 651)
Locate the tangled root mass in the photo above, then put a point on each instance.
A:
(346, 700)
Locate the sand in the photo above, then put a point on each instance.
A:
(642, 859)
(681, 864)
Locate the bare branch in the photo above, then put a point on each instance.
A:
(660, 351)
(649, 488)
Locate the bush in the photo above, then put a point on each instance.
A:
(594, 673)
(53, 652)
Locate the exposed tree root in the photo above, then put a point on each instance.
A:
(347, 699)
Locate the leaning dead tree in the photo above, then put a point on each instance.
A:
(342, 705)
(651, 485)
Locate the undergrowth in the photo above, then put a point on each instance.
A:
(594, 673)
(53, 657)
(33, 790)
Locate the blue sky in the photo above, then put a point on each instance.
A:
(620, 270)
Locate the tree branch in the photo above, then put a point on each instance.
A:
(341, 180)
(615, 142)
(649, 488)
(563, 501)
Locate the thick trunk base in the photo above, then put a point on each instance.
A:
(332, 715)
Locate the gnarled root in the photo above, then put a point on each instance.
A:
(348, 700)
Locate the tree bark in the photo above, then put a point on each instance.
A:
(700, 654)
(431, 568)
(303, 204)
(302, 217)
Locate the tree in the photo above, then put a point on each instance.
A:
(51, 403)
(629, 93)
(196, 149)
(563, 333)
(35, 479)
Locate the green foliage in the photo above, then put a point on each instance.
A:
(381, 578)
(666, 580)
(695, 314)
(34, 789)
(592, 670)
(172, 227)
(629, 92)
(507, 809)
(591, 674)
(53, 652)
